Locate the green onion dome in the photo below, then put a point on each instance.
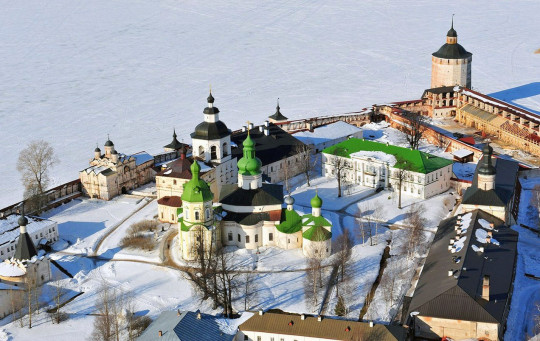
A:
(249, 164)
(316, 201)
(196, 189)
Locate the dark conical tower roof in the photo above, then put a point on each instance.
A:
(175, 144)
(25, 247)
(278, 116)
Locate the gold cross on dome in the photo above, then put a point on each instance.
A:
(248, 123)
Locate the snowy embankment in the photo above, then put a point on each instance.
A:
(525, 306)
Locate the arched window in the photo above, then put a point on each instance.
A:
(197, 215)
(201, 151)
(225, 149)
(207, 214)
(213, 153)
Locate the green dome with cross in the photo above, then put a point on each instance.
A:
(196, 189)
(249, 164)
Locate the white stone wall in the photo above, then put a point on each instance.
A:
(7, 297)
(276, 170)
(167, 214)
(376, 173)
(288, 241)
(203, 148)
(167, 186)
(450, 72)
(314, 249)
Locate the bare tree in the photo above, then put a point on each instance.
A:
(306, 164)
(59, 290)
(31, 296)
(401, 174)
(378, 219)
(343, 254)
(17, 298)
(339, 163)
(313, 281)
(34, 164)
(104, 322)
(250, 288)
(416, 221)
(227, 279)
(414, 128)
(287, 175)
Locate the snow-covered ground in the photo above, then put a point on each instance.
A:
(82, 222)
(73, 71)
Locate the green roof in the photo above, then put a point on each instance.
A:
(186, 226)
(196, 189)
(416, 160)
(311, 220)
(317, 234)
(291, 222)
(249, 164)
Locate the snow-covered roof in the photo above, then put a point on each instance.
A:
(462, 153)
(204, 167)
(142, 157)
(96, 169)
(12, 269)
(9, 227)
(381, 156)
(328, 132)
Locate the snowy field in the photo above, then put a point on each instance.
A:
(73, 71)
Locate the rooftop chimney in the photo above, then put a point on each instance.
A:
(319, 318)
(485, 288)
(450, 272)
(160, 333)
(370, 324)
(178, 312)
(266, 123)
(243, 128)
(303, 317)
(266, 131)
(250, 125)
(260, 312)
(198, 315)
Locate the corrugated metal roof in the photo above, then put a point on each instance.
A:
(329, 329)
(440, 295)
(186, 327)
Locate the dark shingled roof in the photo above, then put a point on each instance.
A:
(443, 296)
(289, 324)
(173, 201)
(505, 182)
(452, 51)
(247, 218)
(186, 327)
(278, 116)
(276, 146)
(268, 194)
(175, 144)
(179, 168)
(25, 248)
(210, 130)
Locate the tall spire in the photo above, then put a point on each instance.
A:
(451, 33)
(25, 248)
(452, 21)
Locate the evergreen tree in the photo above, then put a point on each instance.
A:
(340, 309)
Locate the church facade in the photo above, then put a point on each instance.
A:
(113, 173)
